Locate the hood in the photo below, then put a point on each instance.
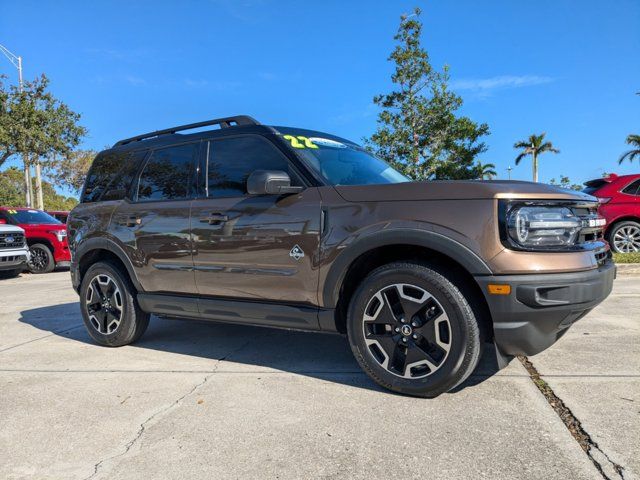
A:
(4, 228)
(458, 190)
(43, 226)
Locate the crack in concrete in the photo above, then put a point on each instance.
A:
(143, 426)
(597, 456)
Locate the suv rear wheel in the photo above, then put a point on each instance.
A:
(412, 330)
(41, 260)
(109, 308)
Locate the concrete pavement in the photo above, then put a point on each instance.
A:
(195, 399)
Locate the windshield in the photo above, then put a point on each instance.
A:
(339, 161)
(29, 217)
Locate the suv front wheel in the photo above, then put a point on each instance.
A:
(412, 330)
(109, 308)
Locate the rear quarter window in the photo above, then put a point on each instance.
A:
(110, 176)
(633, 188)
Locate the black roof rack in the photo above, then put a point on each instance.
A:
(225, 122)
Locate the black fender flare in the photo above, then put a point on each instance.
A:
(101, 243)
(404, 236)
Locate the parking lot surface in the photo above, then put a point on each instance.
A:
(198, 399)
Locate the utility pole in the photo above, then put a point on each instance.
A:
(16, 60)
(509, 170)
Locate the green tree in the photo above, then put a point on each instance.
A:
(565, 182)
(634, 141)
(12, 192)
(11, 188)
(418, 129)
(535, 145)
(70, 170)
(487, 171)
(34, 124)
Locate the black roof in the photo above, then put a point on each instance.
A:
(237, 123)
(227, 126)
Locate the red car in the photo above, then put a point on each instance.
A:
(619, 198)
(46, 237)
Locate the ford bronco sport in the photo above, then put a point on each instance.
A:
(300, 229)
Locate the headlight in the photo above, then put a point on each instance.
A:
(60, 234)
(542, 227)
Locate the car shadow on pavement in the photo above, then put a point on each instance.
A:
(244, 348)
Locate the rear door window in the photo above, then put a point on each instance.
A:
(167, 174)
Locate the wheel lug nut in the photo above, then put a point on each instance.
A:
(404, 340)
(415, 336)
(397, 329)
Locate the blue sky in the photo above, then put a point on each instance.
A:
(569, 68)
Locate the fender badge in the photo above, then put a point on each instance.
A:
(296, 253)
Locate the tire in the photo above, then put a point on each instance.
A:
(442, 344)
(10, 273)
(109, 307)
(624, 237)
(41, 259)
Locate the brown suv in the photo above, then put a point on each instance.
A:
(300, 229)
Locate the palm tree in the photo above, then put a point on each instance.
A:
(634, 141)
(487, 171)
(534, 146)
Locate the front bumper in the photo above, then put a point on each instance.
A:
(13, 260)
(541, 307)
(61, 253)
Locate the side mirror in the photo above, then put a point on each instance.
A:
(270, 182)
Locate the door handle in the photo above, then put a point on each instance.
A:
(215, 218)
(130, 221)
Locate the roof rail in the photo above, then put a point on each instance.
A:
(225, 122)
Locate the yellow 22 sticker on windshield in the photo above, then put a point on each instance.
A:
(296, 141)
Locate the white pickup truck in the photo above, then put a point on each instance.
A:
(14, 252)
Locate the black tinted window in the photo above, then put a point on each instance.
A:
(119, 186)
(633, 189)
(111, 175)
(167, 173)
(103, 170)
(232, 160)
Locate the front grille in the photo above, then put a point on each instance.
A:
(588, 234)
(11, 240)
(13, 258)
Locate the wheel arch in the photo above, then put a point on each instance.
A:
(100, 249)
(44, 241)
(423, 247)
(623, 218)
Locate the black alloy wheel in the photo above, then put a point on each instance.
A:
(407, 331)
(109, 306)
(41, 259)
(413, 330)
